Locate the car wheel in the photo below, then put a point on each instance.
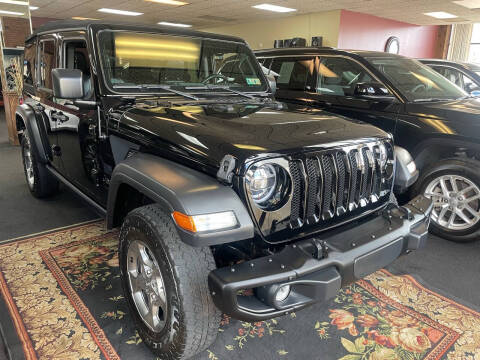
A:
(454, 187)
(166, 285)
(40, 182)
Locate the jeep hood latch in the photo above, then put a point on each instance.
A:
(227, 168)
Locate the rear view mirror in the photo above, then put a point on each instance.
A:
(371, 89)
(67, 83)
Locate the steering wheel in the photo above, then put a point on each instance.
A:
(418, 87)
(215, 76)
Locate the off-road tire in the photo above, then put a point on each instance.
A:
(192, 320)
(466, 167)
(44, 184)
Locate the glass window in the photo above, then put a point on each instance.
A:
(294, 74)
(76, 57)
(142, 61)
(339, 76)
(416, 81)
(474, 53)
(451, 74)
(47, 63)
(29, 64)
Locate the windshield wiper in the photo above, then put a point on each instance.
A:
(432, 99)
(161, 87)
(221, 87)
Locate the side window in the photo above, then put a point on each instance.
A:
(294, 74)
(339, 76)
(469, 85)
(453, 75)
(29, 64)
(47, 62)
(76, 57)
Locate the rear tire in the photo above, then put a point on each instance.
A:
(188, 320)
(446, 180)
(40, 182)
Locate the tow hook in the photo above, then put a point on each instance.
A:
(320, 249)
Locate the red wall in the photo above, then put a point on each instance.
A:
(367, 32)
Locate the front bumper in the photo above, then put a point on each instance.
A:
(317, 268)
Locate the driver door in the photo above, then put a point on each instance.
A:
(337, 77)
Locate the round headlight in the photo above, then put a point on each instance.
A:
(261, 182)
(268, 185)
(383, 155)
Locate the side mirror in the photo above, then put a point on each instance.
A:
(67, 83)
(371, 89)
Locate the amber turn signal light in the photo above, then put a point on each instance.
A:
(184, 221)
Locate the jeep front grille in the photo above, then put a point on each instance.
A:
(333, 183)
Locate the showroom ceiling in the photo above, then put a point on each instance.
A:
(219, 12)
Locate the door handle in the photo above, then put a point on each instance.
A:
(59, 116)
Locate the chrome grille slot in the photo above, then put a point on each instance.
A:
(336, 182)
(342, 184)
(329, 188)
(298, 189)
(315, 182)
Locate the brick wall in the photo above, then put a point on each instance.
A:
(15, 30)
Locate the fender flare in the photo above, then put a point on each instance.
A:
(178, 188)
(31, 120)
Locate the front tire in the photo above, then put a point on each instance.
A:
(454, 187)
(40, 182)
(165, 284)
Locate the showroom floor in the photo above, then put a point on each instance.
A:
(449, 268)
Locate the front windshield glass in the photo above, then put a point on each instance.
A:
(140, 61)
(416, 81)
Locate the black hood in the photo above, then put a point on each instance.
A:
(454, 117)
(206, 133)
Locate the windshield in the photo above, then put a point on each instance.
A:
(416, 81)
(140, 61)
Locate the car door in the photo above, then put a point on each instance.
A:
(337, 77)
(76, 127)
(48, 60)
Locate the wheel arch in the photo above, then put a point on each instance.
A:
(28, 119)
(176, 188)
(434, 149)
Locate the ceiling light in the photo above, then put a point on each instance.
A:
(11, 13)
(82, 18)
(120, 12)
(169, 2)
(33, 7)
(14, 2)
(440, 15)
(275, 8)
(174, 24)
(470, 4)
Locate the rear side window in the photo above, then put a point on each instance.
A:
(47, 62)
(294, 74)
(29, 64)
(339, 76)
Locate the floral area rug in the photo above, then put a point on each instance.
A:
(63, 300)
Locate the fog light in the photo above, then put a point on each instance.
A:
(282, 293)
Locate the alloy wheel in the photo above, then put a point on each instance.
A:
(147, 287)
(28, 161)
(456, 202)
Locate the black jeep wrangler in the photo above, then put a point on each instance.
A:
(227, 200)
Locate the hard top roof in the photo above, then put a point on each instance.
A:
(85, 24)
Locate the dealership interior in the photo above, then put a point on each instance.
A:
(254, 179)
